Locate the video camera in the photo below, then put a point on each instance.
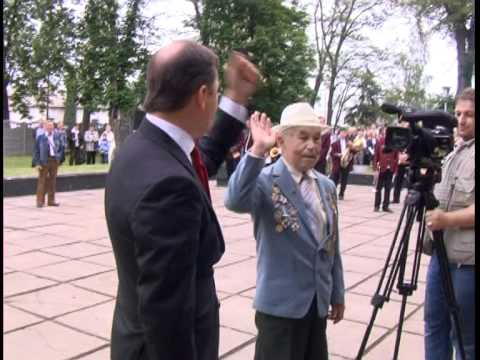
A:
(427, 139)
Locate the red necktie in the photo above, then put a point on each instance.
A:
(201, 169)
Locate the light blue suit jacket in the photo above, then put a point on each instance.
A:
(292, 266)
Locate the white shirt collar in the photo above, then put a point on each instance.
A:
(180, 136)
(297, 175)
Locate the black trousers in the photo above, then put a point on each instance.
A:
(384, 182)
(398, 182)
(291, 339)
(342, 176)
(74, 156)
(91, 155)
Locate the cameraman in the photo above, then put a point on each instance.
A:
(456, 217)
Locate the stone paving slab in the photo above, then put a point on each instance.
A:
(59, 270)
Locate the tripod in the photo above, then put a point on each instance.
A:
(419, 199)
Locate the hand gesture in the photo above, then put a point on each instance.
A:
(263, 136)
(241, 77)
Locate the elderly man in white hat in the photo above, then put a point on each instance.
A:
(294, 208)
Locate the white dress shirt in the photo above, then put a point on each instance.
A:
(184, 139)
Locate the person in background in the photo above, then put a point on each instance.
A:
(91, 140)
(321, 165)
(74, 143)
(385, 162)
(342, 152)
(40, 129)
(63, 136)
(103, 148)
(111, 141)
(455, 216)
(47, 156)
(300, 281)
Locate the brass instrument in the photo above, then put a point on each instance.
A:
(353, 148)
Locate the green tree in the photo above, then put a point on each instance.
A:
(18, 32)
(113, 58)
(367, 108)
(51, 46)
(273, 33)
(340, 46)
(456, 18)
(409, 89)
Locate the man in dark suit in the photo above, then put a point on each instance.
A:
(164, 231)
(47, 155)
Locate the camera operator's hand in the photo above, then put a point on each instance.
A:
(436, 219)
(337, 313)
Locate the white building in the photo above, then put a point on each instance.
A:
(56, 111)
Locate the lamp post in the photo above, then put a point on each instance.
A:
(446, 91)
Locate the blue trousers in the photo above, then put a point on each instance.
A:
(440, 337)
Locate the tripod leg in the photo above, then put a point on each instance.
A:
(381, 296)
(400, 326)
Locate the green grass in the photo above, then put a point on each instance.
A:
(21, 165)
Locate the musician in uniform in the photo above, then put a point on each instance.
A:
(342, 152)
(385, 161)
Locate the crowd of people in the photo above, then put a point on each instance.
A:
(53, 141)
(340, 150)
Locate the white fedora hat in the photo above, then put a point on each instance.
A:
(299, 114)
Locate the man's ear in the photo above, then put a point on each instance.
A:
(201, 96)
(280, 138)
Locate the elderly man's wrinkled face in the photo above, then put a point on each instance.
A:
(301, 146)
(465, 114)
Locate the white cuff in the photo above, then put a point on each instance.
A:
(233, 109)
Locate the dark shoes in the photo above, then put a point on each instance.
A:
(340, 197)
(40, 205)
(388, 210)
(376, 209)
(396, 202)
(54, 204)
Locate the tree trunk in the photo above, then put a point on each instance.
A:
(331, 94)
(6, 110)
(86, 118)
(316, 88)
(460, 39)
(115, 124)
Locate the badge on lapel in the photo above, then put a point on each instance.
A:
(284, 214)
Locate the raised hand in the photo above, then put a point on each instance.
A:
(263, 136)
(241, 77)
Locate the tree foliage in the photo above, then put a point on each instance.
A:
(113, 58)
(366, 110)
(341, 47)
(457, 19)
(273, 33)
(18, 33)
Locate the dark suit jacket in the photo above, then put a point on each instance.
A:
(166, 239)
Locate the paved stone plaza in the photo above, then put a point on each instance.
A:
(60, 281)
